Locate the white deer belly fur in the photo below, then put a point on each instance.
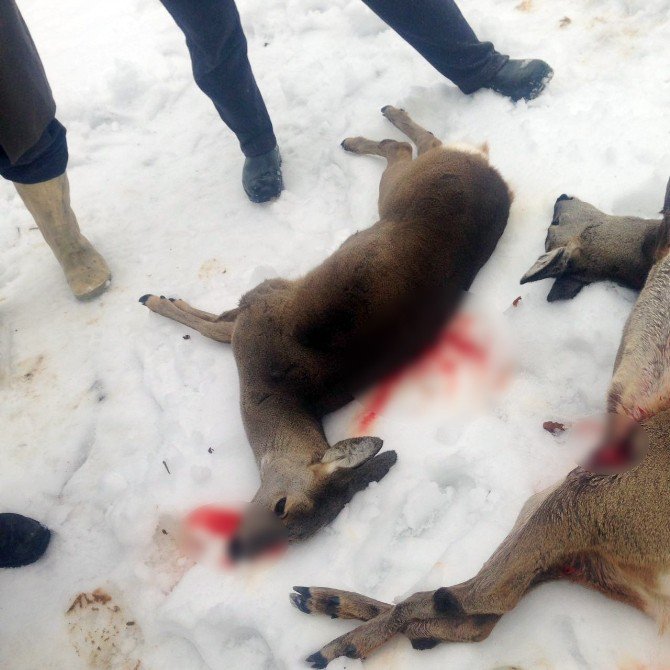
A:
(642, 378)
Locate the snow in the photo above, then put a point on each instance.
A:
(95, 397)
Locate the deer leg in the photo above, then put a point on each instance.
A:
(392, 150)
(424, 139)
(428, 633)
(337, 604)
(398, 156)
(221, 331)
(185, 307)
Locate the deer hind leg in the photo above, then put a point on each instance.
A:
(337, 604)
(229, 315)
(221, 331)
(424, 139)
(536, 550)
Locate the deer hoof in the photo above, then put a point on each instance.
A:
(300, 602)
(317, 660)
(422, 643)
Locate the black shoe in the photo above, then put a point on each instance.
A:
(22, 540)
(261, 176)
(519, 79)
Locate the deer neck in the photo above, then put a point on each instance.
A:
(281, 428)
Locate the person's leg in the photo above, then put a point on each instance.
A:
(22, 540)
(221, 68)
(40, 179)
(439, 32)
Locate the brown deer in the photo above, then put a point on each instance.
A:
(609, 532)
(303, 347)
(584, 245)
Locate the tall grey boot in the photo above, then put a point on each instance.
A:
(49, 202)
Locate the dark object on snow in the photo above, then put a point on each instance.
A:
(521, 79)
(261, 177)
(554, 427)
(22, 540)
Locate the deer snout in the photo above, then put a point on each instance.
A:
(259, 531)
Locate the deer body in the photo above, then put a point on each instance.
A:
(303, 347)
(609, 532)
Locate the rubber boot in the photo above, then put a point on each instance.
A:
(22, 540)
(49, 202)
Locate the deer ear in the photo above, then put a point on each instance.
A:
(349, 454)
(565, 288)
(551, 264)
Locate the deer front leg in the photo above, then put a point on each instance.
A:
(399, 158)
(392, 150)
(424, 139)
(221, 331)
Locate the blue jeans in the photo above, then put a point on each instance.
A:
(221, 68)
(47, 159)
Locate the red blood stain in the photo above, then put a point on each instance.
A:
(453, 347)
(554, 427)
(615, 455)
(215, 520)
(570, 570)
(516, 301)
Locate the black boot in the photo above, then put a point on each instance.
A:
(261, 177)
(519, 79)
(22, 540)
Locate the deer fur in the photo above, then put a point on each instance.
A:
(584, 245)
(304, 346)
(606, 532)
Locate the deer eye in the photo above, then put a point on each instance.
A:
(280, 508)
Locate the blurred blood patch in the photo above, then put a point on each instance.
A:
(214, 520)
(459, 347)
(209, 528)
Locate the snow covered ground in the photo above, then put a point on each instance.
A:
(94, 397)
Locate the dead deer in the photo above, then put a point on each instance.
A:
(304, 346)
(607, 532)
(584, 245)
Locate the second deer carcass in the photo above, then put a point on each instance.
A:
(304, 346)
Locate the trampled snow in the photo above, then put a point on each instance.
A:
(97, 399)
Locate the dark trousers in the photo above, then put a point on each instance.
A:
(440, 33)
(221, 68)
(47, 159)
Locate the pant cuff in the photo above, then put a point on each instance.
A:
(484, 76)
(259, 145)
(46, 160)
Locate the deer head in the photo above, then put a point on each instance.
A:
(296, 499)
(584, 245)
